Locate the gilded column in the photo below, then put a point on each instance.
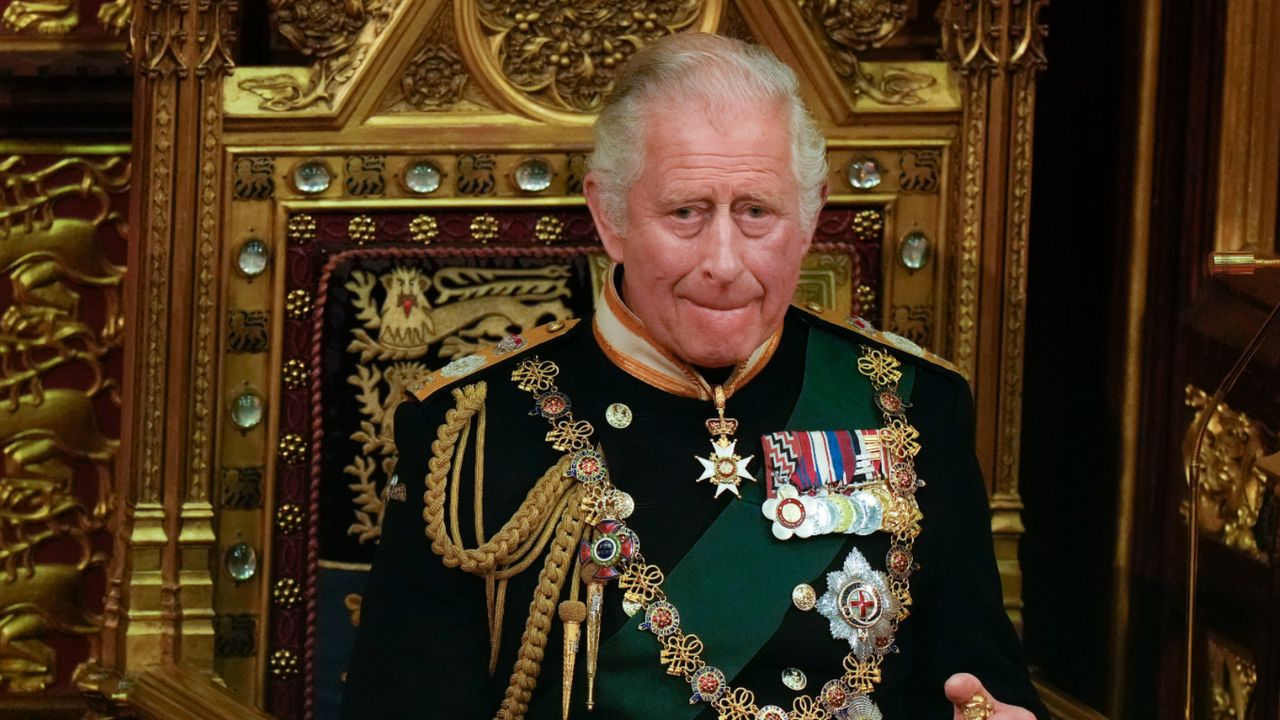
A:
(997, 48)
(160, 594)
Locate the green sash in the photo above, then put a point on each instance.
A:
(735, 613)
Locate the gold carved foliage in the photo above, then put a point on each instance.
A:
(1232, 485)
(44, 17)
(1233, 676)
(336, 34)
(849, 27)
(566, 55)
(435, 79)
(54, 217)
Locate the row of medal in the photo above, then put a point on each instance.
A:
(826, 512)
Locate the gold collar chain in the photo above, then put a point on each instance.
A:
(613, 553)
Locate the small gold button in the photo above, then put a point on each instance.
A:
(555, 326)
(814, 307)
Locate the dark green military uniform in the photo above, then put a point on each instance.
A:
(423, 648)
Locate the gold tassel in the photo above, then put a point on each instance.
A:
(595, 602)
(572, 613)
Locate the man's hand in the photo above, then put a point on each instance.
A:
(972, 701)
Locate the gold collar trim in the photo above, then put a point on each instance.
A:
(628, 344)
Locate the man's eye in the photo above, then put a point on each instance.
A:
(684, 213)
(755, 211)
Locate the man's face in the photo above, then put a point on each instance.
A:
(714, 237)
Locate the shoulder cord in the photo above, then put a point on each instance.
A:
(513, 548)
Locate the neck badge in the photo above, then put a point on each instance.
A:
(724, 467)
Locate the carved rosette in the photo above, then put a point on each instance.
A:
(434, 79)
(849, 27)
(566, 55)
(336, 33)
(319, 28)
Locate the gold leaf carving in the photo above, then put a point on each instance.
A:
(336, 33)
(852, 26)
(1233, 676)
(115, 16)
(46, 17)
(1232, 485)
(52, 254)
(566, 55)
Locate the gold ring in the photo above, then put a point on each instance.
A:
(978, 708)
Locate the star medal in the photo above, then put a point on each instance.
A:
(860, 607)
(724, 468)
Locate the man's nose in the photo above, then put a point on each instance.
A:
(722, 249)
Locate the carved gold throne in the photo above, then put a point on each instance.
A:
(309, 240)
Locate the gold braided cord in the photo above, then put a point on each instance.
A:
(533, 644)
(550, 513)
(534, 512)
(534, 545)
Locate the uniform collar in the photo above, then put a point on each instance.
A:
(624, 339)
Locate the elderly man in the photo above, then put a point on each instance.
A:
(700, 502)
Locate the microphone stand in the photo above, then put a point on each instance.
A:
(1220, 263)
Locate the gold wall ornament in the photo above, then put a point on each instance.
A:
(366, 175)
(45, 17)
(475, 174)
(993, 34)
(424, 229)
(247, 331)
(48, 600)
(292, 448)
(289, 518)
(563, 57)
(484, 228)
(335, 33)
(362, 229)
(115, 16)
(849, 27)
(254, 177)
(242, 487)
(284, 664)
(919, 170)
(434, 79)
(549, 229)
(1233, 676)
(297, 303)
(295, 374)
(857, 24)
(54, 215)
(286, 592)
(1232, 485)
(913, 322)
(868, 225)
(825, 280)
(301, 228)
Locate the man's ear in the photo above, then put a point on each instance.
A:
(609, 236)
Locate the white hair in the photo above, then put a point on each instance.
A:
(726, 74)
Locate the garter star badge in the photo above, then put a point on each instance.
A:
(860, 606)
